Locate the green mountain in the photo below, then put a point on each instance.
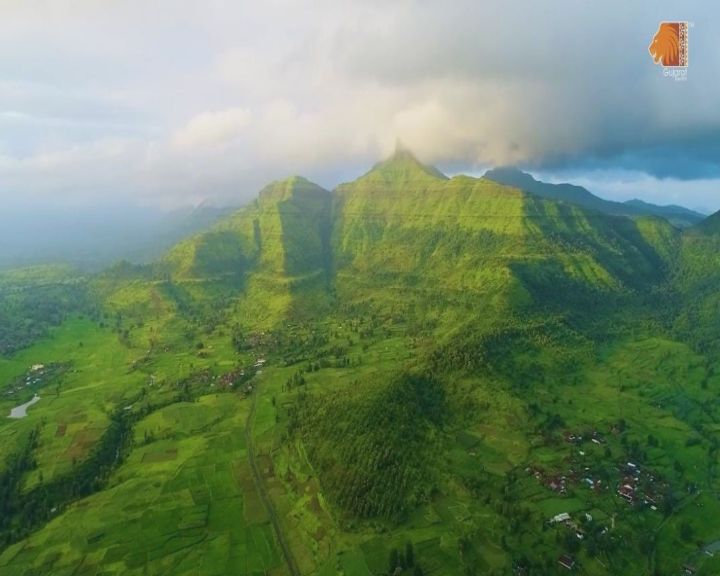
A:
(284, 232)
(434, 239)
(697, 277)
(272, 246)
(677, 215)
(411, 374)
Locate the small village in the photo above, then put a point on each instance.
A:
(240, 378)
(630, 482)
(36, 376)
(635, 486)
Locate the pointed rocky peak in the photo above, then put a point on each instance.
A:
(403, 166)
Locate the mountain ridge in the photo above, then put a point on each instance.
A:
(677, 215)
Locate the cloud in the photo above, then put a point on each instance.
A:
(211, 129)
(181, 99)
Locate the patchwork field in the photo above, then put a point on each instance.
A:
(183, 503)
(184, 500)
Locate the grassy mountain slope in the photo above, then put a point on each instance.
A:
(408, 235)
(283, 232)
(697, 277)
(272, 246)
(482, 268)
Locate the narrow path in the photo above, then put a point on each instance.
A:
(262, 489)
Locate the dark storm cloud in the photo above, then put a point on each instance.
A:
(687, 158)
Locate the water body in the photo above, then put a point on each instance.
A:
(21, 411)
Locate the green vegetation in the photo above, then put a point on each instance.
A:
(374, 443)
(33, 300)
(410, 375)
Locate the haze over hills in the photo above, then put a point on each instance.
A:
(92, 238)
(410, 374)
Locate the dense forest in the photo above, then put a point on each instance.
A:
(29, 307)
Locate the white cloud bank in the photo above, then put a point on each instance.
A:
(212, 129)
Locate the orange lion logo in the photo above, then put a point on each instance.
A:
(669, 45)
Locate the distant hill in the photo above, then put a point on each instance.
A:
(711, 224)
(677, 215)
(173, 226)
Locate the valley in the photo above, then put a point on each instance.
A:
(411, 374)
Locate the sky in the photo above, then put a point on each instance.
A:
(174, 102)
